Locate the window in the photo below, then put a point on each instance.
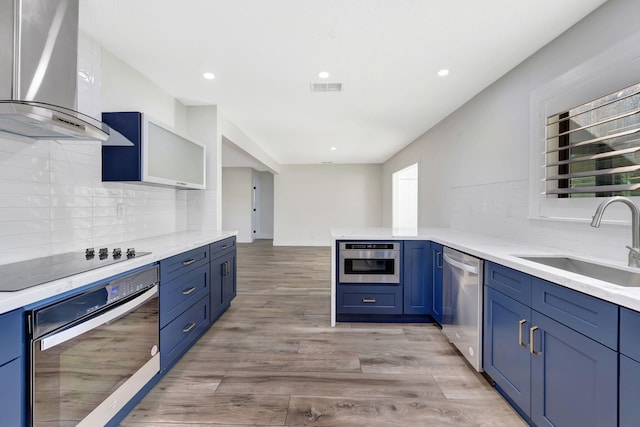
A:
(593, 150)
(583, 145)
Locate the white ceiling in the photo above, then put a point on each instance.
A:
(386, 53)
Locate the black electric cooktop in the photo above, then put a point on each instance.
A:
(33, 272)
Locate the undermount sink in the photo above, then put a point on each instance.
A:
(596, 271)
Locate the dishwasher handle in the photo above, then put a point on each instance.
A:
(94, 322)
(460, 265)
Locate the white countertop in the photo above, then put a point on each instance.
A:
(503, 252)
(160, 247)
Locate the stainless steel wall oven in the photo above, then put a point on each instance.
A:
(369, 262)
(91, 353)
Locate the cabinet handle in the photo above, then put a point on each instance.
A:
(368, 300)
(439, 259)
(189, 328)
(191, 261)
(225, 268)
(520, 324)
(224, 246)
(531, 345)
(187, 292)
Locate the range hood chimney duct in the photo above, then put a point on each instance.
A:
(38, 73)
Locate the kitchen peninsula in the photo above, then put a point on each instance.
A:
(551, 338)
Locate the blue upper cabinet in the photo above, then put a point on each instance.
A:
(418, 291)
(436, 281)
(159, 154)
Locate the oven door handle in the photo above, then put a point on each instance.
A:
(94, 322)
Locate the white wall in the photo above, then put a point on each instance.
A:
(312, 199)
(474, 165)
(265, 206)
(204, 207)
(236, 202)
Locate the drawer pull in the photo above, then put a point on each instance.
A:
(188, 291)
(368, 300)
(189, 262)
(531, 346)
(224, 246)
(520, 324)
(189, 328)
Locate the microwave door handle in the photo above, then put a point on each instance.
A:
(462, 266)
(94, 322)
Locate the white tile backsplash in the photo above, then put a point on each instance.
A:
(52, 200)
(501, 210)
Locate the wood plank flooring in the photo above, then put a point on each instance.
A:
(273, 360)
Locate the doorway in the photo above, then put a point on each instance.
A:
(405, 197)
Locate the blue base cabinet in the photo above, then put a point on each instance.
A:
(629, 392)
(223, 276)
(416, 264)
(573, 378)
(12, 373)
(409, 301)
(184, 303)
(506, 354)
(436, 281)
(550, 350)
(629, 368)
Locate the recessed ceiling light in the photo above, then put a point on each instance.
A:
(323, 75)
(334, 148)
(209, 76)
(443, 72)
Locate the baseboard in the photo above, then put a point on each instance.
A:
(300, 243)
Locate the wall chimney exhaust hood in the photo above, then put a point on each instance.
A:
(38, 74)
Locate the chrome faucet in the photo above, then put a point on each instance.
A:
(634, 249)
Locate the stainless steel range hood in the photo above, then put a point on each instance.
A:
(38, 73)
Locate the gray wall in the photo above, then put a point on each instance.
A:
(474, 165)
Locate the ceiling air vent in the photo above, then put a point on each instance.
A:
(326, 87)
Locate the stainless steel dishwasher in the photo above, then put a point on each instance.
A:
(462, 303)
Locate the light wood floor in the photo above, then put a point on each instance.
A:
(273, 360)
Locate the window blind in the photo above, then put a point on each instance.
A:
(593, 150)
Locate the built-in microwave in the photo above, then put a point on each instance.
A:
(369, 262)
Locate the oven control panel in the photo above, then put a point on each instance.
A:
(54, 316)
(131, 284)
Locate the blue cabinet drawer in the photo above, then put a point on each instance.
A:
(593, 317)
(181, 333)
(354, 299)
(179, 294)
(219, 248)
(11, 336)
(629, 330)
(510, 282)
(180, 264)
